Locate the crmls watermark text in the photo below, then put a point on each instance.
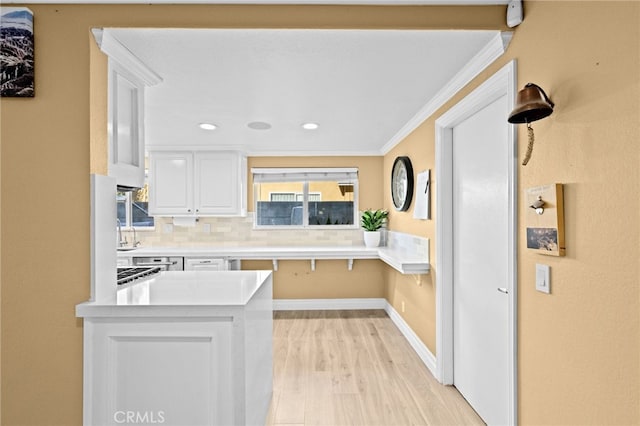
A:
(139, 417)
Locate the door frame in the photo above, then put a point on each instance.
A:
(503, 82)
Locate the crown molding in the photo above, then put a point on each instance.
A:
(115, 50)
(492, 51)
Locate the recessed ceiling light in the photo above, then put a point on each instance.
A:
(259, 125)
(207, 126)
(310, 126)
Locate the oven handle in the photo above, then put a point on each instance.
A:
(156, 263)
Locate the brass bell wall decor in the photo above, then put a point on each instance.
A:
(532, 104)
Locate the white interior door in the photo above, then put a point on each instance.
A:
(481, 206)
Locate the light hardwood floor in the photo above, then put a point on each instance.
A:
(354, 368)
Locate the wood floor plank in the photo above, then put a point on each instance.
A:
(349, 410)
(320, 411)
(354, 367)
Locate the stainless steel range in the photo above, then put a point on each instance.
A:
(129, 274)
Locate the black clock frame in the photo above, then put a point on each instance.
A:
(407, 201)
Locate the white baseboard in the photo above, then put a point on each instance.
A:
(327, 304)
(421, 349)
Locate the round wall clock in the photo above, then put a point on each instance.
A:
(402, 183)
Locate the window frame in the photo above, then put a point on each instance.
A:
(128, 211)
(296, 195)
(304, 176)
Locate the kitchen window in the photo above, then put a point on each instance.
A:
(305, 198)
(133, 208)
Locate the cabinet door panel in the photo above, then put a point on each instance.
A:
(205, 265)
(216, 183)
(174, 371)
(126, 128)
(126, 132)
(170, 191)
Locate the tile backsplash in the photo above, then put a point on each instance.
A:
(239, 231)
(410, 245)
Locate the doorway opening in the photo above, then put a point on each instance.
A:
(501, 84)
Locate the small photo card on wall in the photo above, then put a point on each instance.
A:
(545, 219)
(422, 210)
(16, 47)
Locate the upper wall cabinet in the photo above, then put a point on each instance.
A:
(171, 184)
(128, 78)
(200, 183)
(126, 127)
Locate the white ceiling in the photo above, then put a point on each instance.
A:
(362, 87)
(297, 2)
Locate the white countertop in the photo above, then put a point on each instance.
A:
(220, 288)
(402, 261)
(202, 290)
(258, 252)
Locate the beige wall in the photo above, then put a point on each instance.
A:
(419, 300)
(587, 333)
(331, 279)
(579, 357)
(579, 347)
(45, 175)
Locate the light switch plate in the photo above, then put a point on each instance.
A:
(543, 278)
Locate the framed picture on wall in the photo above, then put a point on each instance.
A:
(545, 219)
(16, 52)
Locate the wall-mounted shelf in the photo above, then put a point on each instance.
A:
(401, 260)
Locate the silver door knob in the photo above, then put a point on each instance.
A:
(503, 290)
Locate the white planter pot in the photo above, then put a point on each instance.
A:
(371, 238)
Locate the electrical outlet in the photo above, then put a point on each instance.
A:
(167, 228)
(543, 278)
(206, 228)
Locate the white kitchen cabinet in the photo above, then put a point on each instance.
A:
(171, 184)
(126, 127)
(200, 183)
(128, 77)
(193, 348)
(216, 187)
(208, 264)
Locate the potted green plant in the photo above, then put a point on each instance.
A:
(372, 221)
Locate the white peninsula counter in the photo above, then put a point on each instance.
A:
(182, 348)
